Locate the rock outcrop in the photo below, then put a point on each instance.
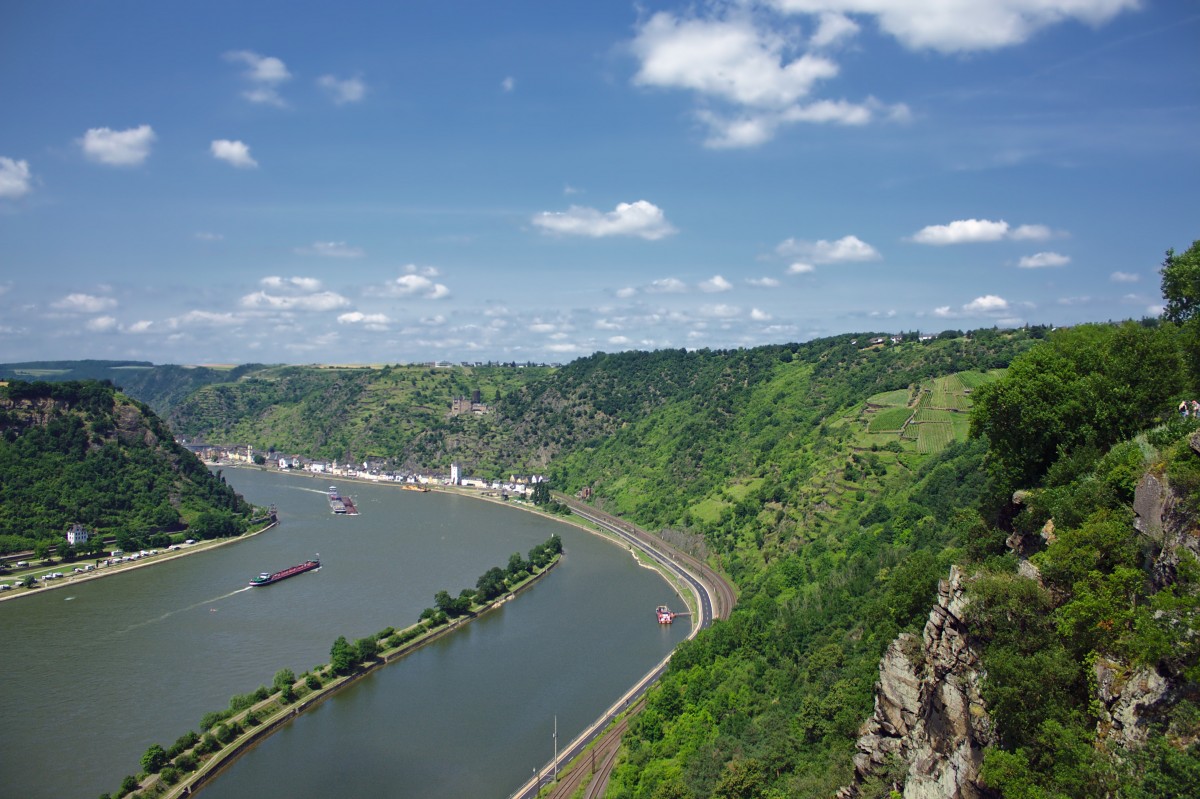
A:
(929, 715)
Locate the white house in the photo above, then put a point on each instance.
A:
(77, 535)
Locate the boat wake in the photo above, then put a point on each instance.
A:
(171, 613)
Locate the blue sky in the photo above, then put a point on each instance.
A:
(399, 182)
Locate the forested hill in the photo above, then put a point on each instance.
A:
(81, 452)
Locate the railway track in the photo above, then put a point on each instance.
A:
(716, 598)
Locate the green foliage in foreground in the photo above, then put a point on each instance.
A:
(83, 453)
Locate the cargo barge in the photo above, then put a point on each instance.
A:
(342, 506)
(266, 578)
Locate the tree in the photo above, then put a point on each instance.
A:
(154, 759)
(1181, 284)
(342, 656)
(541, 493)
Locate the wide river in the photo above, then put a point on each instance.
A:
(97, 672)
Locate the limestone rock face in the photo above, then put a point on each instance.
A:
(928, 710)
(1163, 522)
(1129, 701)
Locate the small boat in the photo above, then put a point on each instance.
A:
(266, 578)
(664, 614)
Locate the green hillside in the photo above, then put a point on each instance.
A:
(80, 452)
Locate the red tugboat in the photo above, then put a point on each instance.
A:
(266, 578)
(665, 616)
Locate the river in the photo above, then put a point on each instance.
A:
(97, 672)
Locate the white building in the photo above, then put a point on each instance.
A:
(77, 535)
(455, 474)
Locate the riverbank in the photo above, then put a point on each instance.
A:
(308, 698)
(123, 568)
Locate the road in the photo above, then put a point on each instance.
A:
(715, 599)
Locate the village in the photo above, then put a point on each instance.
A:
(373, 471)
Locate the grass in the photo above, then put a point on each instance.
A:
(934, 437)
(889, 419)
(891, 398)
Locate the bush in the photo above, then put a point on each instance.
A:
(169, 775)
(209, 720)
(313, 682)
(186, 762)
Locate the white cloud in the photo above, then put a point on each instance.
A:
(760, 70)
(962, 231)
(989, 303)
(971, 231)
(410, 285)
(763, 282)
(1043, 259)
(265, 73)
(318, 301)
(954, 26)
(1155, 310)
(626, 292)
(305, 284)
(101, 324)
(730, 58)
(15, 178)
(331, 249)
(800, 268)
(508, 84)
(205, 236)
(666, 285)
(1031, 233)
(844, 250)
(720, 311)
(350, 90)
(1084, 300)
(642, 219)
(141, 326)
(129, 147)
(372, 321)
(943, 311)
(619, 340)
(1124, 277)
(85, 303)
(759, 316)
(715, 284)
(233, 152)
(199, 318)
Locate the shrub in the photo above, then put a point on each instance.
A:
(186, 762)
(169, 775)
(313, 682)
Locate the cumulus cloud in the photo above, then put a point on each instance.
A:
(315, 301)
(800, 268)
(845, 250)
(15, 178)
(971, 231)
(957, 26)
(1043, 259)
(235, 153)
(130, 147)
(720, 311)
(1124, 277)
(331, 249)
(666, 285)
(626, 292)
(753, 67)
(101, 324)
(84, 303)
(414, 285)
(641, 219)
(759, 316)
(727, 58)
(715, 284)
(303, 284)
(763, 282)
(349, 90)
(989, 303)
(371, 321)
(264, 73)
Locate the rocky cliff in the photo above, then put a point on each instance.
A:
(930, 725)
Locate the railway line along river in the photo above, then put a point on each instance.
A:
(98, 672)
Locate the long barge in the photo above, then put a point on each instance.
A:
(340, 505)
(266, 578)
